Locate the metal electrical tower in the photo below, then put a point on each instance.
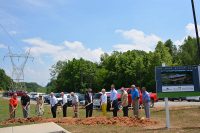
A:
(18, 68)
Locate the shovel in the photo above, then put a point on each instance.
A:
(88, 104)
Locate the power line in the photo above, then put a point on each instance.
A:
(11, 38)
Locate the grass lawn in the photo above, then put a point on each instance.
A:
(182, 120)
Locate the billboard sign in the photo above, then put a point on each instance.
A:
(177, 81)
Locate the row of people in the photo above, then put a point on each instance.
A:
(135, 96)
(25, 102)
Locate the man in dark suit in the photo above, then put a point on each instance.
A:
(89, 103)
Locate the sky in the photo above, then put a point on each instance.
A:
(64, 29)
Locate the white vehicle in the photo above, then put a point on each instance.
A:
(34, 95)
(193, 98)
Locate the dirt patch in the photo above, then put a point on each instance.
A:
(119, 121)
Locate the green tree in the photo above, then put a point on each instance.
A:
(188, 52)
(5, 80)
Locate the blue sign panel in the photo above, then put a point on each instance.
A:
(177, 81)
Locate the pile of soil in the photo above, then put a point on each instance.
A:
(119, 121)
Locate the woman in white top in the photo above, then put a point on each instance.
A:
(104, 102)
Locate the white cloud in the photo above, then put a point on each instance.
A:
(189, 31)
(67, 50)
(37, 74)
(139, 40)
(2, 46)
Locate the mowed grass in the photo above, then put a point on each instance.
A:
(182, 120)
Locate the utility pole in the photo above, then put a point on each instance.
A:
(18, 68)
(196, 28)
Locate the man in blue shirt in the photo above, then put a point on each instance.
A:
(114, 101)
(135, 100)
(146, 102)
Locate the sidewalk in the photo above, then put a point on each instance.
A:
(35, 128)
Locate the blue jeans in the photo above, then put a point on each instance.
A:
(147, 109)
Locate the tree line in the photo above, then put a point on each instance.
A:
(121, 68)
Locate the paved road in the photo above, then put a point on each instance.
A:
(176, 103)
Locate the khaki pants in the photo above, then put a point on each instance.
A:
(135, 104)
(39, 110)
(104, 108)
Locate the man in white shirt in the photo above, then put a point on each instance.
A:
(53, 103)
(103, 102)
(64, 104)
(114, 100)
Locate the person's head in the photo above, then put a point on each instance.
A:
(112, 86)
(133, 87)
(72, 93)
(25, 93)
(62, 94)
(122, 89)
(103, 91)
(51, 94)
(89, 90)
(143, 89)
(40, 97)
(15, 95)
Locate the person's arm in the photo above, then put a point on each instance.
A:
(143, 99)
(22, 99)
(28, 103)
(86, 98)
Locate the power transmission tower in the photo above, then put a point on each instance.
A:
(18, 68)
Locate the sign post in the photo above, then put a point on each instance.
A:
(166, 108)
(167, 113)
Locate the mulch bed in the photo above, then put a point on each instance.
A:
(119, 121)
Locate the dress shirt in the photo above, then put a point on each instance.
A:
(113, 95)
(135, 94)
(64, 99)
(145, 97)
(53, 101)
(90, 94)
(74, 99)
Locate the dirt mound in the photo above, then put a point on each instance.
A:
(119, 121)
